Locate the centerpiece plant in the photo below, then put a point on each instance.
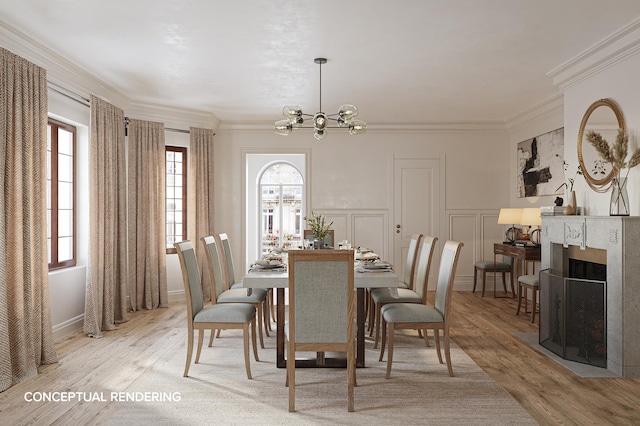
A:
(317, 224)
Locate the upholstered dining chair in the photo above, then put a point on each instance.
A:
(498, 267)
(321, 311)
(407, 280)
(214, 316)
(234, 295)
(232, 283)
(382, 296)
(418, 316)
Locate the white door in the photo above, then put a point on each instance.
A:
(416, 204)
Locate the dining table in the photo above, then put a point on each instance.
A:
(278, 279)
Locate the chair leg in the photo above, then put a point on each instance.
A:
(378, 310)
(259, 307)
(372, 317)
(475, 279)
(189, 353)
(200, 339)
(390, 350)
(253, 339)
(384, 339)
(291, 376)
(519, 298)
(447, 351)
(534, 300)
(484, 280)
(526, 299)
(245, 338)
(213, 332)
(436, 334)
(265, 316)
(504, 282)
(351, 380)
(426, 337)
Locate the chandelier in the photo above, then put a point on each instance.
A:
(344, 118)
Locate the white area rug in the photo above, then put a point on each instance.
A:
(218, 392)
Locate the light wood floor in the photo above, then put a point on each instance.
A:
(483, 327)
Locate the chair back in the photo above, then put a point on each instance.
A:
(321, 296)
(446, 276)
(215, 267)
(424, 266)
(412, 255)
(190, 278)
(228, 260)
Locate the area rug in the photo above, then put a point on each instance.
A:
(583, 370)
(217, 390)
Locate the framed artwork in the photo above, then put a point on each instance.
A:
(540, 165)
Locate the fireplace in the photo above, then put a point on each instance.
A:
(573, 316)
(596, 300)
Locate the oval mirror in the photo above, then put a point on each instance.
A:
(605, 117)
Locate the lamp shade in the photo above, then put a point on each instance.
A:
(531, 217)
(510, 216)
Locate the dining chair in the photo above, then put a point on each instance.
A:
(234, 295)
(214, 316)
(502, 267)
(407, 280)
(418, 316)
(321, 311)
(230, 278)
(382, 296)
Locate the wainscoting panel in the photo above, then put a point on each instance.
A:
(478, 230)
(364, 228)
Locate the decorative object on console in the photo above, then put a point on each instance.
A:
(344, 118)
(530, 218)
(571, 206)
(510, 216)
(616, 155)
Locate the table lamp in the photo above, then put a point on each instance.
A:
(510, 216)
(531, 217)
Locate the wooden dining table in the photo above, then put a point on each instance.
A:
(279, 279)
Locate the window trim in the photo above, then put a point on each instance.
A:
(55, 264)
(183, 150)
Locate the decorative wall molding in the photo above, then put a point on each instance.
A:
(604, 54)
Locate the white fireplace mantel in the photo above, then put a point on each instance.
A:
(620, 237)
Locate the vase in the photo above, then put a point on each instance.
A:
(571, 208)
(619, 205)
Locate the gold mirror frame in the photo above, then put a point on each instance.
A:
(598, 185)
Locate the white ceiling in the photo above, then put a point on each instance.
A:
(400, 62)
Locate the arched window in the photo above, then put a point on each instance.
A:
(280, 190)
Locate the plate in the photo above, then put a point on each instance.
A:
(377, 265)
(269, 266)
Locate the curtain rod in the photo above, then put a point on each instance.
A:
(69, 94)
(86, 102)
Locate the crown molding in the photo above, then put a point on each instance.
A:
(551, 106)
(174, 117)
(615, 48)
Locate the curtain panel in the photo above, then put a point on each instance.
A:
(147, 213)
(26, 336)
(106, 288)
(202, 184)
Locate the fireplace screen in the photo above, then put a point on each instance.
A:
(572, 318)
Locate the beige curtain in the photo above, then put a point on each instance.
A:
(201, 170)
(147, 233)
(26, 337)
(106, 293)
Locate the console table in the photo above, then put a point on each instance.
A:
(524, 254)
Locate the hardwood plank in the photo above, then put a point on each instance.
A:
(483, 327)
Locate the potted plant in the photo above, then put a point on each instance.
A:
(317, 224)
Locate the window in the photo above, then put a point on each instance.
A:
(280, 191)
(61, 244)
(176, 196)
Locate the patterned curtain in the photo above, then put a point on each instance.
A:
(147, 212)
(105, 299)
(26, 336)
(201, 170)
